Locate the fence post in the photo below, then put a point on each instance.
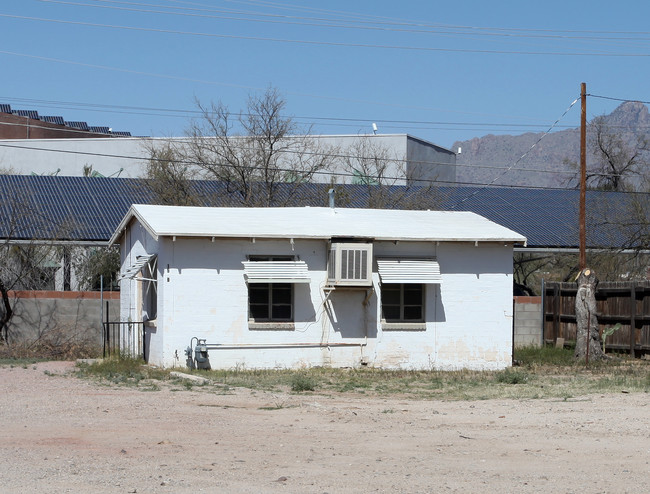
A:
(543, 312)
(556, 312)
(107, 333)
(632, 319)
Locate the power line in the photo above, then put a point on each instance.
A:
(286, 170)
(619, 99)
(379, 25)
(328, 43)
(523, 155)
(139, 110)
(340, 121)
(288, 151)
(240, 86)
(182, 141)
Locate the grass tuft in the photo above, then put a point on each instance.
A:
(302, 382)
(512, 376)
(546, 355)
(543, 373)
(122, 371)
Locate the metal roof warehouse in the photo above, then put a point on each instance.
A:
(91, 208)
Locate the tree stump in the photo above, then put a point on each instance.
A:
(587, 336)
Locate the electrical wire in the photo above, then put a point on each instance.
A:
(382, 24)
(522, 156)
(329, 43)
(619, 99)
(240, 86)
(496, 126)
(338, 155)
(340, 121)
(318, 172)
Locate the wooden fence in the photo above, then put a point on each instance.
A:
(627, 303)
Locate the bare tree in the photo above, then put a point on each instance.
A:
(25, 263)
(384, 176)
(528, 269)
(616, 160)
(619, 157)
(94, 263)
(169, 176)
(260, 155)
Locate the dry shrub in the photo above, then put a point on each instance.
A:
(54, 345)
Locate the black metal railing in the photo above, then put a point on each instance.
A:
(124, 338)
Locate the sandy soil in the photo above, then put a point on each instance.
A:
(63, 434)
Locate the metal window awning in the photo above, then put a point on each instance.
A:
(132, 271)
(409, 270)
(276, 271)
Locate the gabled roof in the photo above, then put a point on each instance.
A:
(315, 223)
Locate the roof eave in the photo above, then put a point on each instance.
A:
(132, 213)
(513, 240)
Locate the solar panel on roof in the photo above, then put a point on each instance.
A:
(120, 133)
(54, 120)
(100, 130)
(4, 108)
(26, 113)
(78, 125)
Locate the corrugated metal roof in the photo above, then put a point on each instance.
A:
(80, 209)
(90, 209)
(320, 223)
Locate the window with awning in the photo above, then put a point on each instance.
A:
(409, 270)
(271, 288)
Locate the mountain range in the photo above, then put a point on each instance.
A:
(535, 159)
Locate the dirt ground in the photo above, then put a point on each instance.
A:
(63, 434)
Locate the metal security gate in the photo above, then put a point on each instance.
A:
(124, 338)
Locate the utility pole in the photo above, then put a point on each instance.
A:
(583, 176)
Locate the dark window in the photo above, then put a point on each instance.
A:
(402, 302)
(270, 302)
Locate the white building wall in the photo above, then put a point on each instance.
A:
(127, 157)
(203, 294)
(476, 297)
(135, 241)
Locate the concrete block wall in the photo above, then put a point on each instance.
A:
(528, 321)
(60, 316)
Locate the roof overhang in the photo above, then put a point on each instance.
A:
(316, 224)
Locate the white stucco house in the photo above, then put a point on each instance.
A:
(294, 287)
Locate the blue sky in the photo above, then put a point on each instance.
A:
(442, 71)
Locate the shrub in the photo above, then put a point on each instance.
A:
(302, 382)
(511, 376)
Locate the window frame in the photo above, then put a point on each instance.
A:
(149, 279)
(402, 320)
(271, 322)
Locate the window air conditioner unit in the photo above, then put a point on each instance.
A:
(349, 264)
